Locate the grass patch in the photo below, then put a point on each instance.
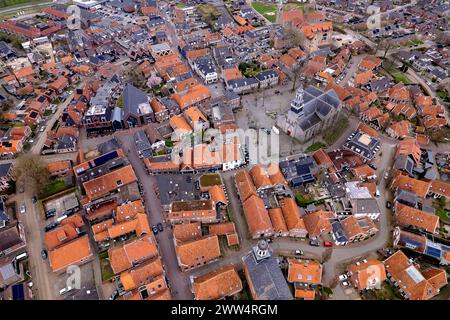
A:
(290, 6)
(387, 292)
(398, 76)
(333, 133)
(250, 69)
(208, 180)
(315, 146)
(442, 214)
(16, 3)
(105, 266)
(169, 143)
(416, 42)
(54, 188)
(180, 5)
(268, 11)
(47, 113)
(302, 200)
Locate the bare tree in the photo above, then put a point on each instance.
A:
(327, 255)
(292, 36)
(296, 69)
(31, 171)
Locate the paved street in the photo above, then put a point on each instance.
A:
(178, 281)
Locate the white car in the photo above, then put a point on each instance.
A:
(343, 277)
(23, 209)
(346, 284)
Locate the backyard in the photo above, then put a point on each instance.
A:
(54, 188)
(268, 11)
(107, 272)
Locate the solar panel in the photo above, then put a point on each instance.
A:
(105, 158)
(434, 252)
(18, 292)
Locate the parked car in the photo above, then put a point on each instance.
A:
(51, 226)
(155, 230)
(388, 204)
(34, 199)
(23, 209)
(44, 254)
(314, 243)
(327, 244)
(65, 290)
(50, 213)
(346, 284)
(114, 295)
(343, 277)
(160, 227)
(298, 252)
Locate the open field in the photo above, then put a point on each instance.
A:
(269, 11)
(16, 3)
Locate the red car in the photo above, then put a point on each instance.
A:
(327, 244)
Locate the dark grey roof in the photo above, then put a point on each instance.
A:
(141, 141)
(404, 162)
(9, 238)
(339, 232)
(132, 98)
(3, 214)
(108, 146)
(66, 142)
(367, 151)
(266, 277)
(231, 95)
(5, 169)
(5, 49)
(380, 84)
(406, 197)
(268, 74)
(242, 82)
(369, 205)
(205, 65)
(317, 104)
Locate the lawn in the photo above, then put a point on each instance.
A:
(269, 11)
(105, 266)
(333, 133)
(315, 146)
(208, 180)
(54, 188)
(399, 76)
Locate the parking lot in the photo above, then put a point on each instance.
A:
(61, 205)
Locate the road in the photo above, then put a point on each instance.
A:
(44, 279)
(179, 282)
(37, 147)
(19, 8)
